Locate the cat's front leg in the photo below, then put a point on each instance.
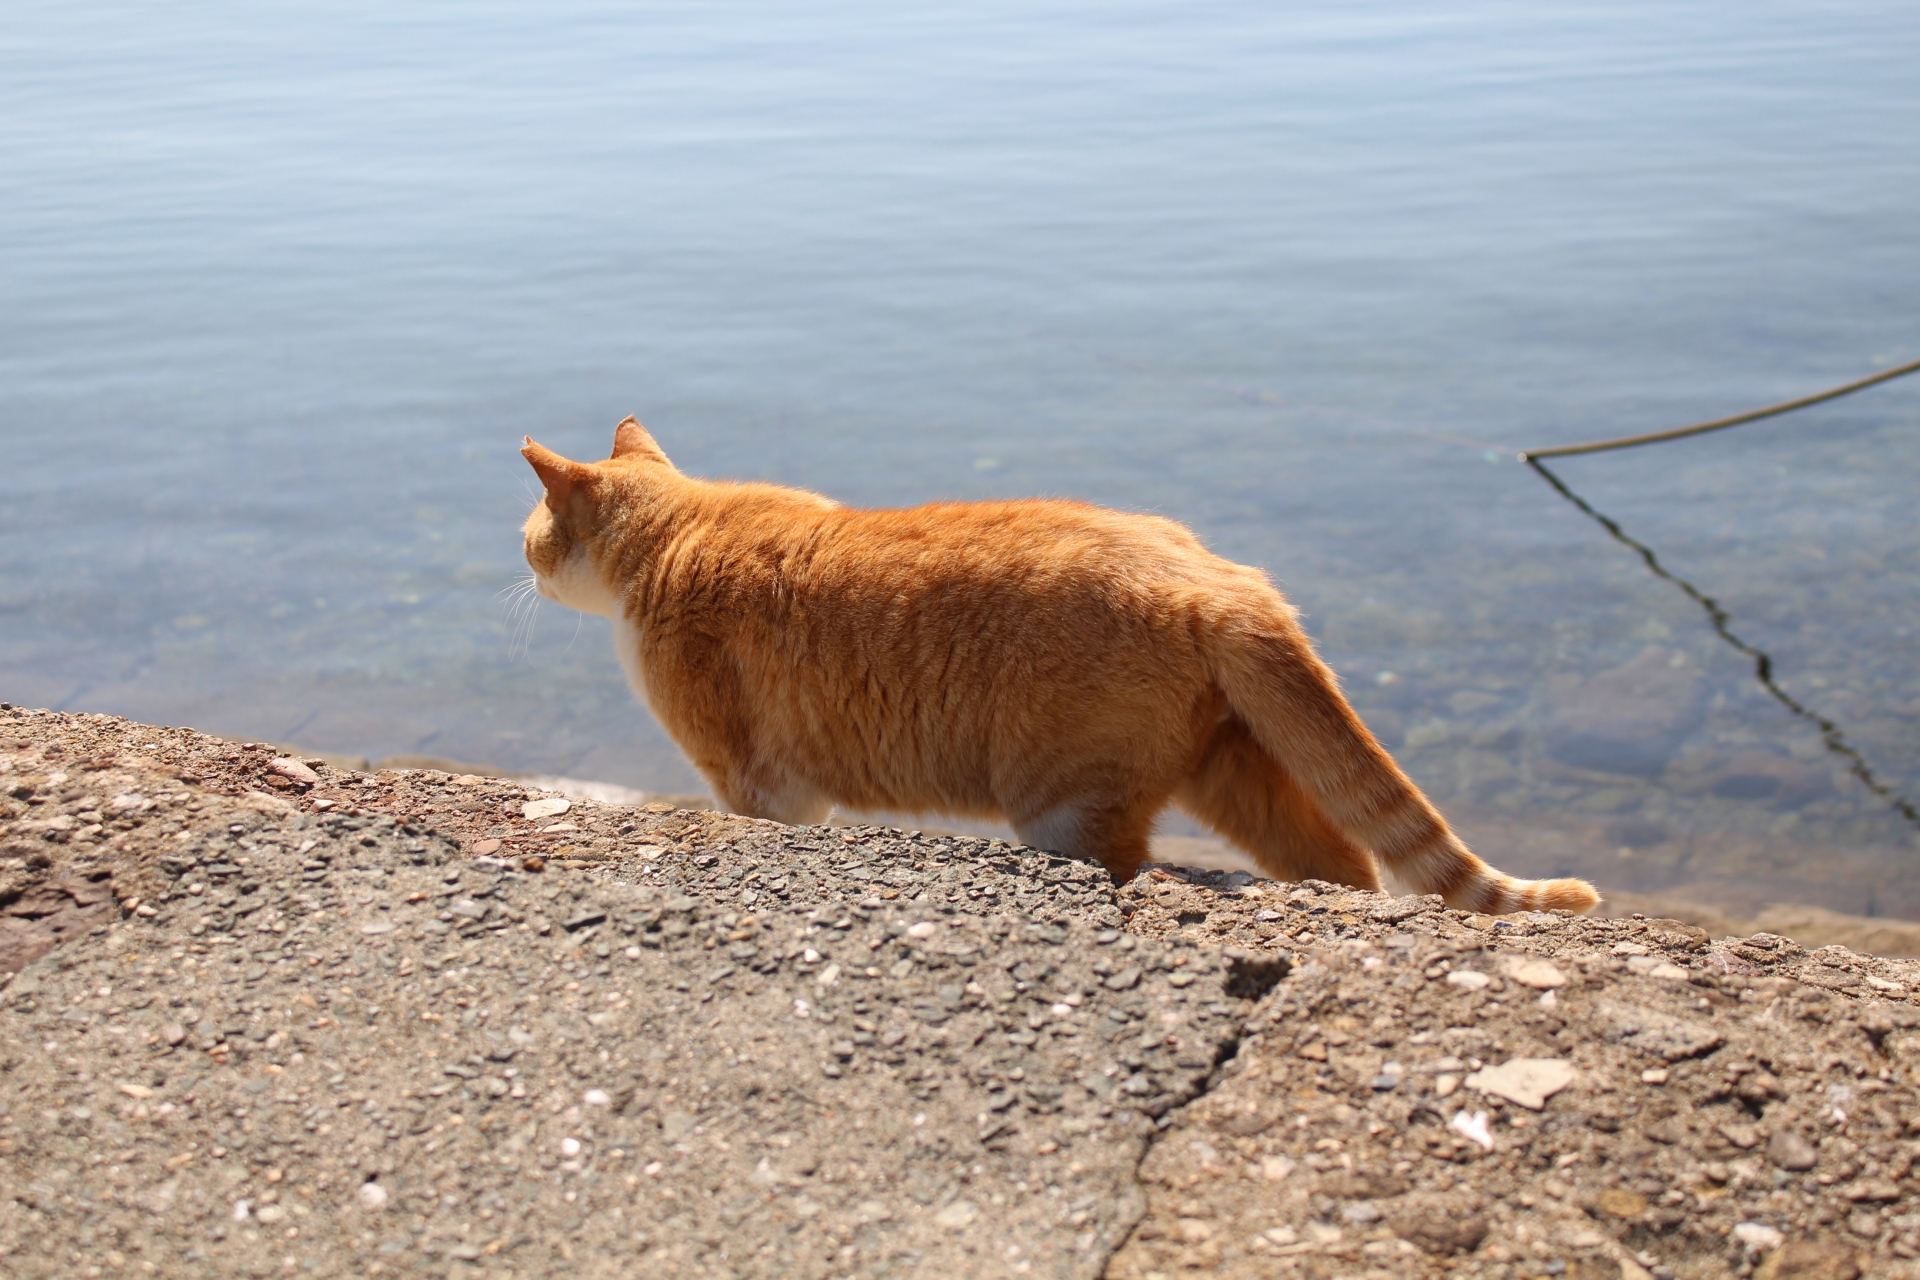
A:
(688, 683)
(790, 802)
(1115, 834)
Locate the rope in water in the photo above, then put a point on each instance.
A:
(1721, 424)
(1830, 733)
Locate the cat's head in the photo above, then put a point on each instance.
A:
(586, 504)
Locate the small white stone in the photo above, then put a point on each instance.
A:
(828, 976)
(373, 1196)
(1537, 974)
(633, 953)
(924, 929)
(546, 807)
(297, 771)
(241, 1210)
(1473, 1128)
(1629, 949)
(569, 1147)
(1758, 1235)
(1527, 1081)
(1276, 1169)
(597, 1098)
(1668, 973)
(1468, 979)
(956, 1215)
(1443, 1086)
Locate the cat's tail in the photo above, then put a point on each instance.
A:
(1291, 703)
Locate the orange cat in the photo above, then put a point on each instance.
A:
(1069, 669)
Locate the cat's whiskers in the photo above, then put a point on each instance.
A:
(523, 602)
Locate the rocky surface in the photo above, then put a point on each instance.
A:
(270, 1016)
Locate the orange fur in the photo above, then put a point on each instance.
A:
(1069, 669)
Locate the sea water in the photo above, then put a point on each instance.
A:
(285, 284)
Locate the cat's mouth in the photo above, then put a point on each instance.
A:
(576, 584)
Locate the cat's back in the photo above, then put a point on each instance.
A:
(1040, 544)
(990, 579)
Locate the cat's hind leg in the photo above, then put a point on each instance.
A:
(1116, 834)
(1240, 792)
(1291, 704)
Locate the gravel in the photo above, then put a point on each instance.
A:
(415, 1023)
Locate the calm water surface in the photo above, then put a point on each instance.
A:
(285, 284)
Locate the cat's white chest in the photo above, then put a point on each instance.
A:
(627, 637)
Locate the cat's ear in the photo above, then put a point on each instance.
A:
(631, 443)
(565, 479)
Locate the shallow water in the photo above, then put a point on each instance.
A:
(286, 288)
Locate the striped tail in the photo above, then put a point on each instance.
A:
(1292, 705)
